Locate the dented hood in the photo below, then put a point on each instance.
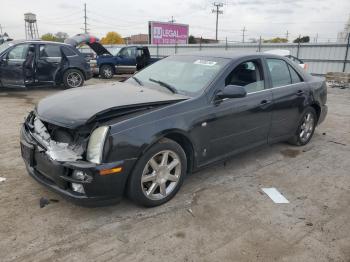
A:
(78, 106)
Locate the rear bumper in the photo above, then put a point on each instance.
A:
(57, 176)
(323, 114)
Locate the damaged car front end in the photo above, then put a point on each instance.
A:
(71, 147)
(69, 162)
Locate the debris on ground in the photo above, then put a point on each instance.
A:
(275, 195)
(44, 201)
(338, 143)
(309, 224)
(338, 79)
(190, 211)
(2, 179)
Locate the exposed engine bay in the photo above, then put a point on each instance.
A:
(58, 143)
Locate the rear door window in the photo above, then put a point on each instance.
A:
(49, 51)
(294, 75)
(279, 72)
(68, 51)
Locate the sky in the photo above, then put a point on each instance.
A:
(266, 18)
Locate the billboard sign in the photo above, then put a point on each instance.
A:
(167, 33)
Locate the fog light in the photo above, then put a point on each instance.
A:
(82, 176)
(78, 188)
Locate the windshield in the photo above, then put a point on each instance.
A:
(188, 75)
(4, 46)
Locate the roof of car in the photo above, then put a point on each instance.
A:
(35, 41)
(227, 54)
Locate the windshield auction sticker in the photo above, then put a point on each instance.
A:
(204, 62)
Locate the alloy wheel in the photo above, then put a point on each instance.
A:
(74, 79)
(161, 175)
(307, 127)
(107, 72)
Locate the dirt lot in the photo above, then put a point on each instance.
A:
(220, 214)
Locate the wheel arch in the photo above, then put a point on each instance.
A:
(182, 139)
(75, 68)
(317, 108)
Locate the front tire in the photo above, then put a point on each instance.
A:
(158, 175)
(106, 71)
(73, 78)
(306, 128)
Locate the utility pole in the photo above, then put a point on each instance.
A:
(0, 29)
(218, 12)
(85, 18)
(316, 38)
(243, 33)
(287, 34)
(172, 20)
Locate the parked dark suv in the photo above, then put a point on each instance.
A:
(36, 63)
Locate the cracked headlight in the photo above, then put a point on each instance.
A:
(95, 145)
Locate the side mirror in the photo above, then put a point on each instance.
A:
(231, 91)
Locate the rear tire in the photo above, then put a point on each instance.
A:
(106, 71)
(306, 128)
(158, 174)
(73, 78)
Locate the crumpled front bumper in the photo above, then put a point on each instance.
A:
(57, 176)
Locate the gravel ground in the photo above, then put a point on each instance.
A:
(220, 214)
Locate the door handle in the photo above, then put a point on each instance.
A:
(300, 92)
(265, 102)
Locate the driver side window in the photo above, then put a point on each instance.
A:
(128, 52)
(249, 75)
(18, 53)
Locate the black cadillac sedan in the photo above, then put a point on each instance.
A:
(142, 137)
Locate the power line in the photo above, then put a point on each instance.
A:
(85, 19)
(243, 33)
(218, 12)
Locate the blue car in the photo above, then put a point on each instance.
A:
(120, 60)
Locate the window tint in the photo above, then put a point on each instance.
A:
(294, 75)
(249, 75)
(49, 51)
(19, 52)
(279, 72)
(68, 51)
